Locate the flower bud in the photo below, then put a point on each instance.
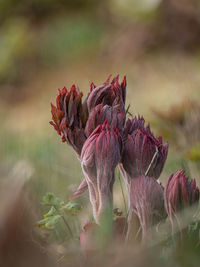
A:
(68, 117)
(143, 153)
(110, 93)
(100, 155)
(180, 193)
(75, 121)
(115, 116)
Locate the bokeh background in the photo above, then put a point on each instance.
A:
(49, 44)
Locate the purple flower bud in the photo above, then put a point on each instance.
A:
(110, 93)
(132, 125)
(180, 193)
(147, 202)
(100, 155)
(114, 115)
(68, 116)
(143, 153)
(75, 121)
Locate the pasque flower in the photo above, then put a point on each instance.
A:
(100, 155)
(143, 153)
(180, 193)
(69, 117)
(115, 116)
(104, 103)
(110, 93)
(75, 121)
(147, 202)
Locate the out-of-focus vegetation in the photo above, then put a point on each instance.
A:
(49, 44)
(36, 34)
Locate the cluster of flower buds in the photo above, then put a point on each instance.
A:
(75, 121)
(94, 129)
(100, 155)
(180, 193)
(102, 138)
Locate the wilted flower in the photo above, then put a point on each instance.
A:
(69, 117)
(100, 155)
(180, 193)
(147, 202)
(143, 153)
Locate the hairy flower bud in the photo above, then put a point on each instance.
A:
(180, 193)
(68, 117)
(147, 202)
(100, 155)
(143, 153)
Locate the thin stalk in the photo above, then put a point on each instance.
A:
(123, 195)
(155, 154)
(65, 222)
(67, 225)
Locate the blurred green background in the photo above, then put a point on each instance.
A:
(49, 44)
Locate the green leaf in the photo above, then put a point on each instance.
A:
(72, 208)
(49, 222)
(51, 200)
(51, 212)
(53, 221)
(194, 153)
(42, 222)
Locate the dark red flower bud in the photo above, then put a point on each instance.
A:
(114, 115)
(68, 117)
(100, 155)
(147, 202)
(143, 153)
(110, 93)
(132, 125)
(180, 193)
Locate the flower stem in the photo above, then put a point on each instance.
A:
(123, 195)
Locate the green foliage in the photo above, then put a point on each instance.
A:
(50, 221)
(57, 212)
(72, 208)
(41, 8)
(194, 153)
(15, 48)
(134, 10)
(66, 39)
(51, 200)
